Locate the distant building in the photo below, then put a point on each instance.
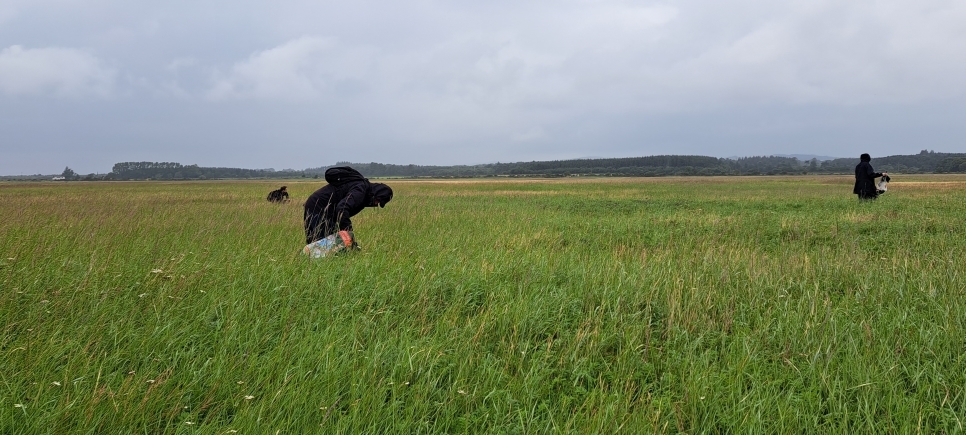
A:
(59, 178)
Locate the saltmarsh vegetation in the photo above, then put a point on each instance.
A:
(702, 305)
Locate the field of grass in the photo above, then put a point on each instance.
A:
(666, 305)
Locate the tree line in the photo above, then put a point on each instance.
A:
(177, 171)
(670, 165)
(650, 166)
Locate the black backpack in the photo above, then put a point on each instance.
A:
(340, 175)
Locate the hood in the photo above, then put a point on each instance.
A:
(381, 193)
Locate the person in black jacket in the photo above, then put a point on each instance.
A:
(865, 178)
(278, 195)
(330, 208)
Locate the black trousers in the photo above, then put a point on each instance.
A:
(317, 227)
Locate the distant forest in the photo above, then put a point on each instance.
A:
(652, 166)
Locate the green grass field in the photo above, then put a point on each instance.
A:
(667, 305)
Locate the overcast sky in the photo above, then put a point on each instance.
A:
(299, 84)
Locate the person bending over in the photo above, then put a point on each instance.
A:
(331, 208)
(278, 195)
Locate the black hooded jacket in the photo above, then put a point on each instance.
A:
(277, 195)
(865, 181)
(330, 208)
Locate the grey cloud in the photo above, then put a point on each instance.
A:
(54, 70)
(464, 82)
(303, 68)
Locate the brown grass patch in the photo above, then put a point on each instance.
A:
(930, 184)
(856, 218)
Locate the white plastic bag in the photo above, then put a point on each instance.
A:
(330, 245)
(883, 185)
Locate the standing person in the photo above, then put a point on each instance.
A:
(278, 195)
(330, 208)
(865, 178)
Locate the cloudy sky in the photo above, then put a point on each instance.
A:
(307, 83)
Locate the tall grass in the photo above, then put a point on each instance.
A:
(746, 304)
